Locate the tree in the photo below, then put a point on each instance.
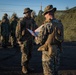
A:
(39, 20)
(40, 12)
(67, 8)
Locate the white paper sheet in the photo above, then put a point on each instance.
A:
(36, 32)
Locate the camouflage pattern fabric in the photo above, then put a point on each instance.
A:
(26, 50)
(5, 30)
(50, 62)
(25, 39)
(22, 26)
(13, 25)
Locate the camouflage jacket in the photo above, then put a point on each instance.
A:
(13, 25)
(48, 28)
(21, 29)
(5, 28)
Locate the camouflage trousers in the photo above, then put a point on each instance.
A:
(14, 40)
(26, 49)
(5, 40)
(51, 63)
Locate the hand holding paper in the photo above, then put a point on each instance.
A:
(36, 32)
(32, 32)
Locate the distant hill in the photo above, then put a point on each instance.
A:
(73, 8)
(68, 18)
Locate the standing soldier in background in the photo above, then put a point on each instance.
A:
(13, 24)
(0, 32)
(5, 30)
(25, 39)
(50, 39)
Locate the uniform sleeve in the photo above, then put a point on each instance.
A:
(11, 24)
(34, 26)
(9, 27)
(43, 35)
(18, 29)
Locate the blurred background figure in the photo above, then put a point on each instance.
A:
(5, 30)
(0, 32)
(13, 24)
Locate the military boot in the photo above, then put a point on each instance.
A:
(24, 70)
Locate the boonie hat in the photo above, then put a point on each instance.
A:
(26, 10)
(48, 9)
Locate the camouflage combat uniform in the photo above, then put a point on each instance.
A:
(5, 30)
(50, 62)
(25, 39)
(50, 37)
(13, 24)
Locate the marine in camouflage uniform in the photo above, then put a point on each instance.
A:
(5, 30)
(50, 39)
(25, 39)
(0, 32)
(13, 24)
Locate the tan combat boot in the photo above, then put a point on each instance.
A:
(24, 70)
